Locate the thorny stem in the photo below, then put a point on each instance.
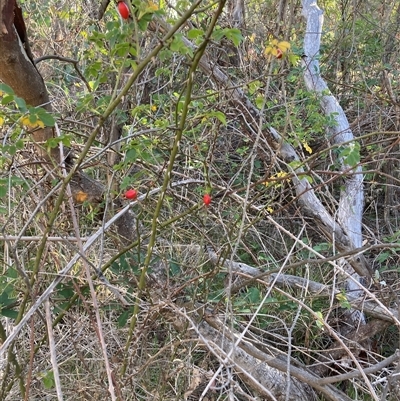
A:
(167, 178)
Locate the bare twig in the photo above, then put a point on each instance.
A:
(98, 328)
(62, 273)
(53, 353)
(38, 238)
(351, 375)
(67, 60)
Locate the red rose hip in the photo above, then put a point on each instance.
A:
(207, 199)
(131, 194)
(123, 9)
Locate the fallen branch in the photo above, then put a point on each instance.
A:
(263, 372)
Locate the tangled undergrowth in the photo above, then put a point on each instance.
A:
(157, 309)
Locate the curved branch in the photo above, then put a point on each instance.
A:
(352, 197)
(66, 60)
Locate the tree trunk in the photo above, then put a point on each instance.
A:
(18, 70)
(351, 203)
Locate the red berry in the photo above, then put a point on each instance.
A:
(207, 199)
(279, 53)
(131, 194)
(123, 9)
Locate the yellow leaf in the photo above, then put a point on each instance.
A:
(81, 196)
(281, 174)
(268, 50)
(152, 6)
(307, 147)
(1, 121)
(277, 179)
(274, 51)
(284, 46)
(269, 209)
(341, 297)
(319, 320)
(26, 121)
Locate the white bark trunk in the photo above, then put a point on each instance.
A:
(349, 213)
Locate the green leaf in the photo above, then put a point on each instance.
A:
(383, 256)
(21, 104)
(307, 177)
(293, 58)
(65, 292)
(5, 300)
(144, 22)
(295, 164)
(218, 34)
(218, 115)
(350, 154)
(254, 86)
(48, 379)
(232, 34)
(10, 313)
(12, 150)
(344, 303)
(47, 119)
(254, 295)
(322, 247)
(7, 99)
(260, 102)
(11, 273)
(174, 268)
(131, 155)
(6, 89)
(33, 118)
(287, 306)
(123, 318)
(52, 143)
(194, 33)
(177, 43)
